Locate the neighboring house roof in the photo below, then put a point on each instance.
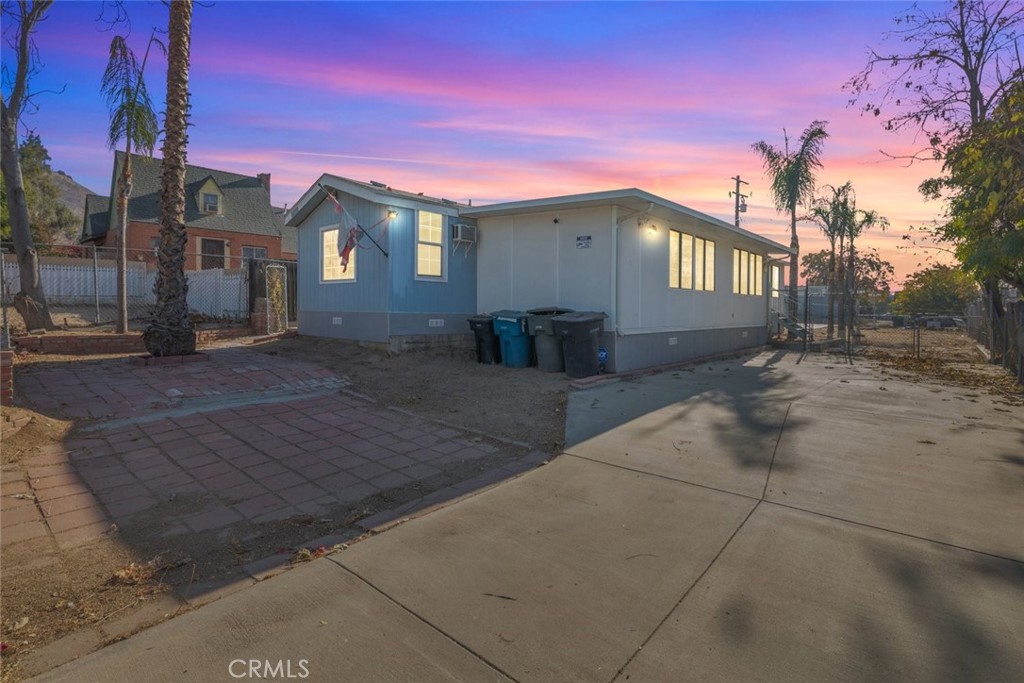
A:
(96, 221)
(379, 193)
(289, 234)
(246, 202)
(633, 200)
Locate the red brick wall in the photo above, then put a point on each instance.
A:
(7, 377)
(140, 236)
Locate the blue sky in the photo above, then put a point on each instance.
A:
(502, 101)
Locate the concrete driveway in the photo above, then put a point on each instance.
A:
(763, 519)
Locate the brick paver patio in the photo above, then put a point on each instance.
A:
(245, 437)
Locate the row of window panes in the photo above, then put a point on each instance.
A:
(746, 273)
(691, 262)
(429, 250)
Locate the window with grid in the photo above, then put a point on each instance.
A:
(429, 245)
(211, 203)
(747, 269)
(691, 262)
(330, 258)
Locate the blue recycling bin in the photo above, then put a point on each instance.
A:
(510, 326)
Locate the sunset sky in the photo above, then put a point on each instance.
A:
(502, 101)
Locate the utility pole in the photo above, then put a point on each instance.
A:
(741, 199)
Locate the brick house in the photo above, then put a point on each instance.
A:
(228, 216)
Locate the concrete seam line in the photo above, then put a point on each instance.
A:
(778, 440)
(686, 592)
(1015, 560)
(662, 476)
(458, 644)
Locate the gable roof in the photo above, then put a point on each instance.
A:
(96, 220)
(246, 206)
(634, 200)
(379, 193)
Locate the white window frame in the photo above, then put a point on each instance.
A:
(443, 245)
(696, 262)
(343, 278)
(206, 207)
(748, 273)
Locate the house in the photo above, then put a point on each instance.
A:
(228, 216)
(410, 278)
(675, 283)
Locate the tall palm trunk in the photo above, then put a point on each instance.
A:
(122, 240)
(170, 332)
(841, 278)
(831, 288)
(794, 264)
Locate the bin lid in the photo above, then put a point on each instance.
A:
(549, 310)
(507, 314)
(580, 317)
(480, 318)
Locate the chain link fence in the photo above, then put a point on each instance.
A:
(80, 284)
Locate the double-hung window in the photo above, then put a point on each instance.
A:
(429, 245)
(331, 269)
(691, 262)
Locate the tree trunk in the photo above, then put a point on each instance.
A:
(997, 323)
(171, 333)
(30, 302)
(122, 241)
(841, 279)
(831, 289)
(794, 269)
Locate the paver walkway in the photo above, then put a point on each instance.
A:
(229, 447)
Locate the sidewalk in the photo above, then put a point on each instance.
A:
(760, 519)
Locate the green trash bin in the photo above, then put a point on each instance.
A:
(547, 345)
(580, 333)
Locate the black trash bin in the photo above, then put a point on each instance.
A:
(488, 346)
(580, 333)
(547, 345)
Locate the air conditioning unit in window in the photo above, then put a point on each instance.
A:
(463, 233)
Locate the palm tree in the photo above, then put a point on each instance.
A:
(860, 221)
(832, 215)
(170, 333)
(792, 184)
(132, 118)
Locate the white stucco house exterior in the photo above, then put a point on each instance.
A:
(676, 283)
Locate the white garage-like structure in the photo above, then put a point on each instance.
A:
(676, 284)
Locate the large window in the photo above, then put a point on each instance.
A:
(429, 245)
(330, 258)
(747, 273)
(691, 262)
(212, 253)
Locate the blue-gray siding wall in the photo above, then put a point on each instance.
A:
(369, 291)
(385, 299)
(454, 294)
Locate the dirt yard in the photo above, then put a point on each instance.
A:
(449, 385)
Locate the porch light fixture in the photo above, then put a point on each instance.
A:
(392, 214)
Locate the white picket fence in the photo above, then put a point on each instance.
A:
(215, 292)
